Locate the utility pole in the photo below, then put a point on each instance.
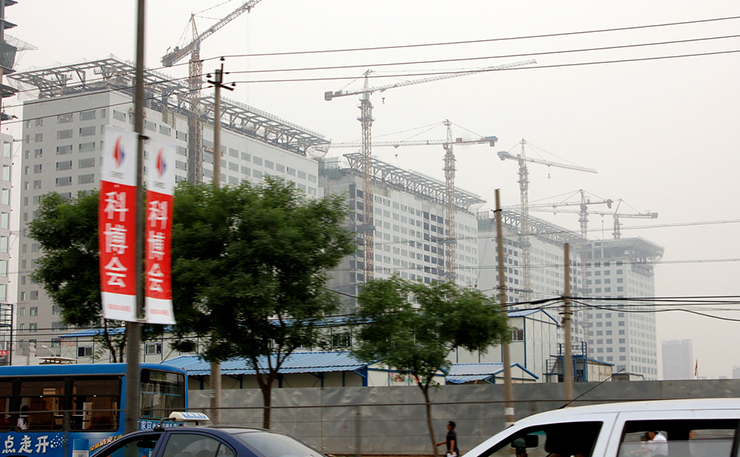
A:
(133, 329)
(509, 415)
(217, 83)
(567, 353)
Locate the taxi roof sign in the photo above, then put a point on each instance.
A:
(182, 416)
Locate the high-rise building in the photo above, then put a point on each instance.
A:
(62, 142)
(409, 224)
(621, 328)
(613, 317)
(678, 359)
(7, 60)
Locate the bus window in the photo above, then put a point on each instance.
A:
(43, 400)
(161, 393)
(95, 403)
(6, 393)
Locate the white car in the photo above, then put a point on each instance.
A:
(664, 428)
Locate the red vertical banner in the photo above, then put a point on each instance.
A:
(158, 233)
(117, 225)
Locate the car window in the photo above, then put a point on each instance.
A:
(195, 445)
(678, 438)
(554, 440)
(140, 446)
(277, 445)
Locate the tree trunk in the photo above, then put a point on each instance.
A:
(428, 404)
(266, 389)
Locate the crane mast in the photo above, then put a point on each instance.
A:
(451, 240)
(368, 232)
(195, 81)
(449, 169)
(366, 120)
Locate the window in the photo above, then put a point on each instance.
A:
(64, 134)
(567, 438)
(64, 181)
(64, 118)
(33, 311)
(43, 400)
(87, 115)
(87, 131)
(517, 334)
(66, 149)
(86, 179)
(687, 437)
(64, 165)
(165, 130)
(86, 163)
(84, 351)
(87, 147)
(38, 153)
(6, 172)
(119, 116)
(205, 445)
(95, 402)
(341, 340)
(153, 348)
(5, 220)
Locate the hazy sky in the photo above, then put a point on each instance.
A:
(662, 133)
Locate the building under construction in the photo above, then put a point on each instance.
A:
(62, 143)
(409, 224)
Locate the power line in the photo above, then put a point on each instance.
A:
(485, 40)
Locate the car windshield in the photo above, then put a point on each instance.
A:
(277, 445)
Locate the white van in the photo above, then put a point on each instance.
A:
(665, 428)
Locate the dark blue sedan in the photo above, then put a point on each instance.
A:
(207, 442)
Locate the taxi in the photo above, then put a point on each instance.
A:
(166, 440)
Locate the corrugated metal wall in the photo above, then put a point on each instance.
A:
(392, 420)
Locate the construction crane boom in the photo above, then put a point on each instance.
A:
(178, 53)
(449, 168)
(328, 96)
(366, 121)
(503, 155)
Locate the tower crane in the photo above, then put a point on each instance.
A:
(449, 169)
(524, 204)
(583, 213)
(366, 121)
(617, 215)
(195, 72)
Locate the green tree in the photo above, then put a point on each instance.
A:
(69, 269)
(414, 327)
(249, 271)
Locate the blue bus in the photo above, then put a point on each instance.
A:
(71, 410)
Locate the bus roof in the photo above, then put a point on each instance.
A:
(93, 368)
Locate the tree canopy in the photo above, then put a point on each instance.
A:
(250, 268)
(414, 328)
(69, 270)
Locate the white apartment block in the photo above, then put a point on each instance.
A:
(621, 330)
(62, 142)
(615, 320)
(409, 219)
